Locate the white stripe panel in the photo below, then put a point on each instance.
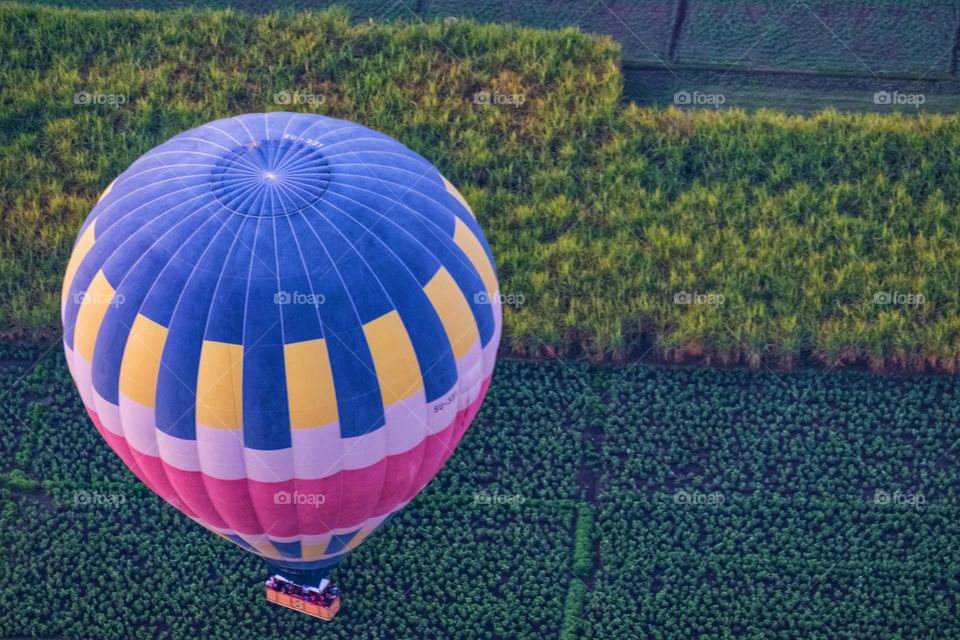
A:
(404, 429)
(82, 372)
(362, 451)
(469, 369)
(178, 452)
(139, 426)
(443, 410)
(108, 413)
(274, 465)
(405, 423)
(316, 451)
(220, 452)
(490, 351)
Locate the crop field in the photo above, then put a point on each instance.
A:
(795, 93)
(651, 500)
(853, 36)
(620, 232)
(864, 37)
(608, 488)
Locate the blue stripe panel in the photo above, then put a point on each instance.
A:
(240, 541)
(299, 302)
(367, 296)
(266, 418)
(339, 542)
(289, 550)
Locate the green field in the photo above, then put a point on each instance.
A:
(602, 218)
(791, 92)
(858, 37)
(613, 474)
(639, 500)
(866, 37)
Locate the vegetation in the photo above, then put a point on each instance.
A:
(646, 501)
(773, 569)
(855, 36)
(131, 566)
(850, 36)
(572, 608)
(732, 503)
(600, 217)
(583, 542)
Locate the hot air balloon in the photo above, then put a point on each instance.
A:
(283, 324)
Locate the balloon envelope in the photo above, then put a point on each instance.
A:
(283, 324)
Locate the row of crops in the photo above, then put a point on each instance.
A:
(588, 501)
(756, 569)
(619, 232)
(855, 36)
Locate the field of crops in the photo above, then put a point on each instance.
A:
(853, 36)
(866, 37)
(633, 502)
(619, 232)
(789, 92)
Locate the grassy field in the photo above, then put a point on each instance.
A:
(853, 36)
(866, 37)
(619, 232)
(795, 93)
(643, 501)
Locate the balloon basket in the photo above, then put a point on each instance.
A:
(296, 598)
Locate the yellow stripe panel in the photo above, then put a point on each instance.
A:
(96, 300)
(454, 312)
(107, 191)
(310, 391)
(469, 244)
(357, 539)
(267, 550)
(452, 190)
(393, 358)
(79, 253)
(313, 551)
(141, 361)
(220, 385)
